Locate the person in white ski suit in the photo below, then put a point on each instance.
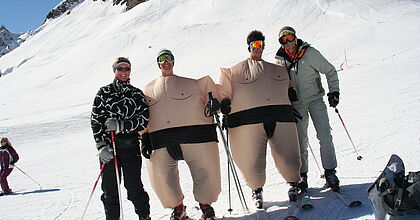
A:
(179, 130)
(261, 113)
(305, 64)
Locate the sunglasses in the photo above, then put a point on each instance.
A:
(256, 44)
(165, 57)
(288, 38)
(123, 68)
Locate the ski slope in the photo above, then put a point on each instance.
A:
(46, 98)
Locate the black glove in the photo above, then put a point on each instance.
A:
(297, 115)
(292, 95)
(12, 163)
(213, 105)
(146, 146)
(333, 98)
(113, 124)
(225, 106)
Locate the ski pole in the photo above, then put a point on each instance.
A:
(117, 173)
(316, 161)
(40, 187)
(230, 199)
(93, 190)
(231, 165)
(232, 168)
(348, 135)
(228, 173)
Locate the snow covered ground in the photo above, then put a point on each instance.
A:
(46, 98)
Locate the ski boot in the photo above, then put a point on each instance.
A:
(257, 197)
(303, 184)
(7, 192)
(179, 213)
(208, 212)
(293, 191)
(144, 218)
(332, 180)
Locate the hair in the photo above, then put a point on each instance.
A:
(120, 60)
(254, 36)
(6, 140)
(286, 30)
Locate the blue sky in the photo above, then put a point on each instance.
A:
(22, 15)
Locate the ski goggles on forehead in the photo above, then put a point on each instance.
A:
(165, 57)
(256, 44)
(287, 38)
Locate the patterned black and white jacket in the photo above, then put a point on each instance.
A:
(124, 102)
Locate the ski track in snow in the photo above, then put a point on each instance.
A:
(69, 204)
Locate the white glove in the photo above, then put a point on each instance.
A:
(106, 154)
(113, 124)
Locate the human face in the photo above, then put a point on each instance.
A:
(167, 68)
(3, 143)
(256, 50)
(122, 73)
(289, 44)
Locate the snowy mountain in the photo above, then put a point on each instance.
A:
(46, 97)
(9, 41)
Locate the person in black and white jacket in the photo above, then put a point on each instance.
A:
(121, 107)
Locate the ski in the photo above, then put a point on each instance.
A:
(6, 194)
(262, 215)
(305, 201)
(292, 210)
(346, 201)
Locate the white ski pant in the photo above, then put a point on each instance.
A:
(319, 115)
(204, 164)
(249, 149)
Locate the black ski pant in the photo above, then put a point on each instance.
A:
(129, 159)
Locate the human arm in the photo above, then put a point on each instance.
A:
(135, 114)
(140, 116)
(98, 119)
(146, 146)
(14, 154)
(321, 65)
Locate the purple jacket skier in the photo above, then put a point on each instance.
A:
(8, 157)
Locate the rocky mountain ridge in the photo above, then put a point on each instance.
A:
(9, 41)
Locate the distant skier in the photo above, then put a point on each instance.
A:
(261, 113)
(121, 107)
(8, 157)
(179, 130)
(304, 64)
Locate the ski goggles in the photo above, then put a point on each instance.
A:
(287, 38)
(123, 68)
(256, 44)
(165, 57)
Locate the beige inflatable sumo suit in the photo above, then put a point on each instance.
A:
(261, 113)
(179, 130)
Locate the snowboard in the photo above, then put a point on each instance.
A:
(387, 186)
